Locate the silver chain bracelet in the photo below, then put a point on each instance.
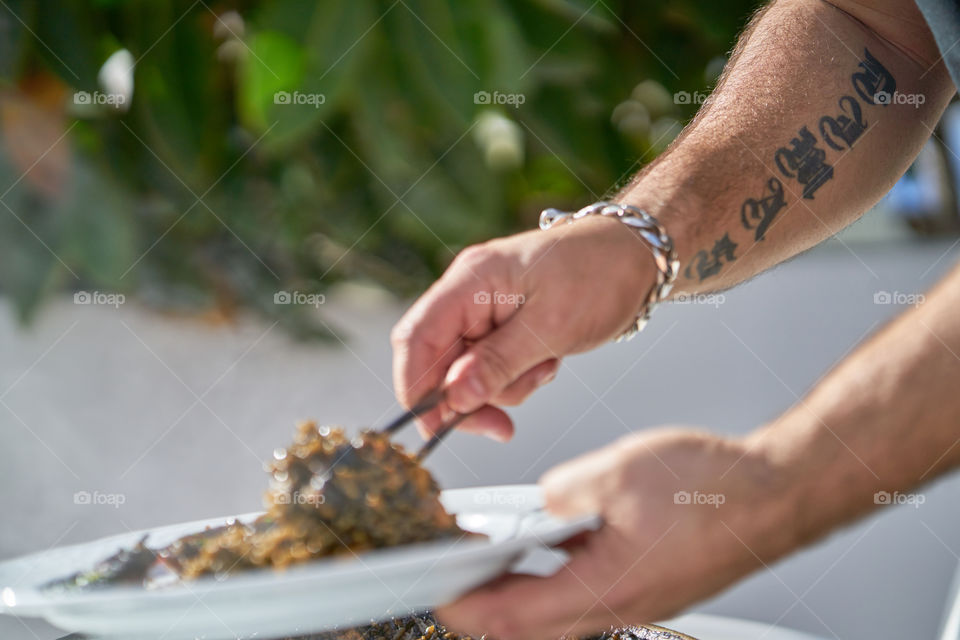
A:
(651, 232)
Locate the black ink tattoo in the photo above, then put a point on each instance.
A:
(873, 82)
(805, 161)
(756, 215)
(709, 264)
(841, 132)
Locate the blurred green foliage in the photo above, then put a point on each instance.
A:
(208, 194)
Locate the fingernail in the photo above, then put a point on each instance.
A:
(446, 413)
(546, 377)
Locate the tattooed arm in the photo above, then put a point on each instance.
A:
(820, 110)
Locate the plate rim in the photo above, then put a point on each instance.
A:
(32, 601)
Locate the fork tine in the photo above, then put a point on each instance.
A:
(428, 402)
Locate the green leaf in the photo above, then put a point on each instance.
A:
(274, 65)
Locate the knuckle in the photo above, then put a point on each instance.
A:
(473, 256)
(401, 334)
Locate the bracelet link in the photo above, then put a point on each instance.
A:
(653, 234)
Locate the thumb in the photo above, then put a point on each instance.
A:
(491, 364)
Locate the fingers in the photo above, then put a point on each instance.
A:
(487, 421)
(431, 335)
(568, 602)
(518, 390)
(425, 342)
(495, 362)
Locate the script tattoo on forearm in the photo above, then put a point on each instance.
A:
(841, 132)
(708, 264)
(805, 161)
(756, 215)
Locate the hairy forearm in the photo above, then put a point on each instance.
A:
(793, 144)
(886, 419)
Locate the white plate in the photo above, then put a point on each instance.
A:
(318, 595)
(709, 627)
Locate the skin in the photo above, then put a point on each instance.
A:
(884, 420)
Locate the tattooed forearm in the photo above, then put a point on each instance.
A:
(764, 166)
(806, 161)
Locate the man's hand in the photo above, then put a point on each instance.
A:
(685, 514)
(761, 174)
(493, 328)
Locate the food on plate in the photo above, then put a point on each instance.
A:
(125, 566)
(329, 494)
